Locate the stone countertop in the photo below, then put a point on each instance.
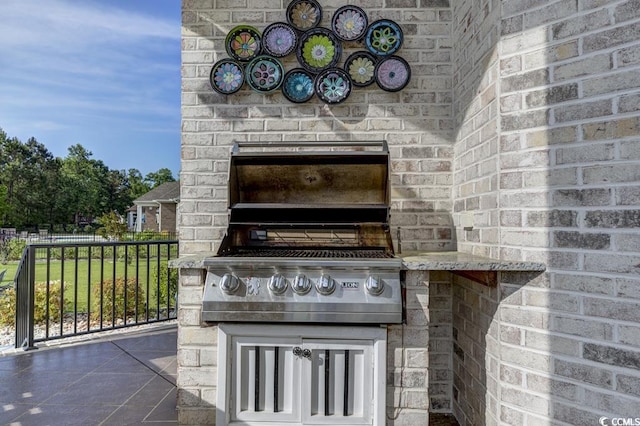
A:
(417, 261)
(456, 261)
(194, 261)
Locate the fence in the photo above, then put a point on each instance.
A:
(68, 289)
(43, 236)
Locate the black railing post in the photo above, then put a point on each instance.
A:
(25, 300)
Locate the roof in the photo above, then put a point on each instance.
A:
(168, 191)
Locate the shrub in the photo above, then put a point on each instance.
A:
(166, 291)
(120, 309)
(40, 314)
(11, 249)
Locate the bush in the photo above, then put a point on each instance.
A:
(8, 304)
(120, 309)
(166, 291)
(11, 249)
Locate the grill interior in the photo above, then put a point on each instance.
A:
(313, 253)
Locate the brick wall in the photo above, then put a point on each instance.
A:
(562, 344)
(522, 114)
(416, 122)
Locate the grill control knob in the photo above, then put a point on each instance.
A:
(374, 285)
(325, 285)
(301, 284)
(278, 284)
(229, 283)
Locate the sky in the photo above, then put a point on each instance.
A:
(101, 73)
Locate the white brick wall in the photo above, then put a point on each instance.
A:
(567, 188)
(523, 112)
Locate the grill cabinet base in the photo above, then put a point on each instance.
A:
(301, 375)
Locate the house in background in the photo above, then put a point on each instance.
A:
(156, 210)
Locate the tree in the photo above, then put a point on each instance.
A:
(137, 185)
(29, 172)
(155, 179)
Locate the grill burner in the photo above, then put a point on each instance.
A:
(308, 237)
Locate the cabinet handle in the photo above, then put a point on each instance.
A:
(299, 352)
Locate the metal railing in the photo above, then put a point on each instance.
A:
(69, 289)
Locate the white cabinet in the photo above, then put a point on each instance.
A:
(301, 375)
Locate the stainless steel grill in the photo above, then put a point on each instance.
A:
(308, 237)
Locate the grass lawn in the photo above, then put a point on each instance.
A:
(84, 275)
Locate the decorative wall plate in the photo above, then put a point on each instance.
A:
(361, 68)
(279, 39)
(384, 37)
(243, 43)
(318, 50)
(298, 85)
(349, 23)
(392, 73)
(264, 74)
(333, 85)
(304, 14)
(227, 76)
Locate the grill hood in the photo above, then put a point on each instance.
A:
(308, 195)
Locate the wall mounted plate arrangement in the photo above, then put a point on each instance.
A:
(255, 58)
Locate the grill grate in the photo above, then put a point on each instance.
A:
(316, 253)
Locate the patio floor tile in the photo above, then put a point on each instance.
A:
(117, 380)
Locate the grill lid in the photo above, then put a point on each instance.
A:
(310, 195)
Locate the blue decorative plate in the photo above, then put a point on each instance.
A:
(392, 73)
(264, 74)
(384, 37)
(349, 23)
(227, 76)
(279, 39)
(298, 85)
(333, 85)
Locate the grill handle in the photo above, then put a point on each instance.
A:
(382, 145)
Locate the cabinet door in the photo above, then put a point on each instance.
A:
(265, 380)
(337, 382)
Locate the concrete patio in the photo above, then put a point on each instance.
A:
(123, 378)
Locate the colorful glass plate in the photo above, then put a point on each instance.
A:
(318, 49)
(304, 14)
(349, 23)
(361, 68)
(384, 37)
(264, 74)
(243, 43)
(279, 39)
(298, 85)
(227, 76)
(392, 73)
(333, 85)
